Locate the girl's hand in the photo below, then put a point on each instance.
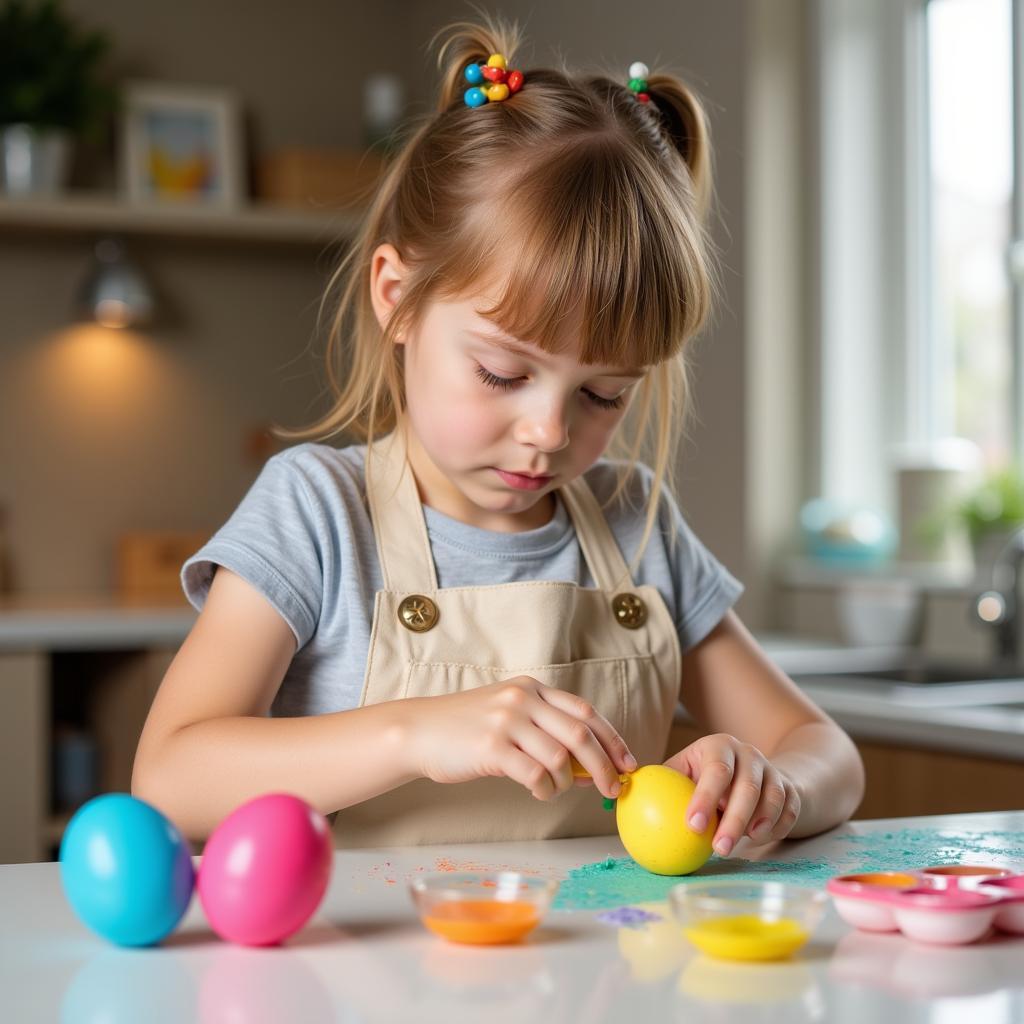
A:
(755, 798)
(519, 728)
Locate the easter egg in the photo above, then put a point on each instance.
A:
(265, 869)
(651, 816)
(126, 870)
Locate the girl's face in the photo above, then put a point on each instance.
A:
(479, 402)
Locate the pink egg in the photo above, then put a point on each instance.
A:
(265, 869)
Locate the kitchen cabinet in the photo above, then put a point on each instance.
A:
(92, 663)
(116, 689)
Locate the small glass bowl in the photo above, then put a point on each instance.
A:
(747, 920)
(482, 907)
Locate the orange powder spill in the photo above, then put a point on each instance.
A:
(482, 922)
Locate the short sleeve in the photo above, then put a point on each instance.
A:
(275, 541)
(704, 589)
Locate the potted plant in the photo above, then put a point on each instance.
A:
(991, 512)
(51, 91)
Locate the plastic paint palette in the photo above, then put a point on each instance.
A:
(947, 904)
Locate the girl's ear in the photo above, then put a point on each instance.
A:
(386, 273)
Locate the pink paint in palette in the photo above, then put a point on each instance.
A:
(947, 904)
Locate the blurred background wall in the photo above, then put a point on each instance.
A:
(161, 429)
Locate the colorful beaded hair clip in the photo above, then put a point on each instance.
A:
(491, 82)
(638, 73)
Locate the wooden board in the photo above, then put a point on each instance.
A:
(149, 561)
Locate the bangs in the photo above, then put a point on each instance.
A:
(595, 255)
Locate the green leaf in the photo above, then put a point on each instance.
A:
(51, 69)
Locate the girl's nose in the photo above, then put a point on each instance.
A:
(547, 428)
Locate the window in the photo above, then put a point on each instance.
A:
(970, 190)
(916, 329)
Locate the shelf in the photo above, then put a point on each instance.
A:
(94, 213)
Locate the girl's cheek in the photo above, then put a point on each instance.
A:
(467, 421)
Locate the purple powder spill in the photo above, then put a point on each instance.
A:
(630, 917)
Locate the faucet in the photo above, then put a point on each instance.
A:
(998, 605)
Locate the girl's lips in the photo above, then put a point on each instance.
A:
(523, 483)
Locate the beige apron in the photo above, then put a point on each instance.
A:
(617, 648)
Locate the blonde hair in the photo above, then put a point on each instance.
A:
(594, 201)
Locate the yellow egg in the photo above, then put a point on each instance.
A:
(651, 816)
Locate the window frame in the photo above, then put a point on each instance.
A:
(876, 382)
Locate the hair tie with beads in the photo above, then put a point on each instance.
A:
(491, 82)
(638, 73)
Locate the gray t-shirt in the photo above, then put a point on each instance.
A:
(303, 537)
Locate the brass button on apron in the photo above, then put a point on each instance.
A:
(418, 613)
(629, 610)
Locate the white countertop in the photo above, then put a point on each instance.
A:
(365, 958)
(984, 730)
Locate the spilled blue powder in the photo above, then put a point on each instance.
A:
(616, 881)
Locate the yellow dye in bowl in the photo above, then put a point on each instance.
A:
(748, 937)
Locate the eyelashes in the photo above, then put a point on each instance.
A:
(507, 383)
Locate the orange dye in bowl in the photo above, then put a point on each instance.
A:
(482, 922)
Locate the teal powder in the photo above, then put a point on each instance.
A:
(617, 881)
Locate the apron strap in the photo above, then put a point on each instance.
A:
(597, 542)
(403, 546)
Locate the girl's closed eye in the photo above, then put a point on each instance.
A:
(507, 383)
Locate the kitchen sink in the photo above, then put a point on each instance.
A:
(925, 685)
(925, 674)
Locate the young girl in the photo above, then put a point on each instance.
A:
(422, 632)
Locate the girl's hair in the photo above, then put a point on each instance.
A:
(592, 202)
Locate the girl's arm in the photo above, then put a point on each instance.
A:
(774, 762)
(208, 744)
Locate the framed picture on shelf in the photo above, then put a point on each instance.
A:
(181, 144)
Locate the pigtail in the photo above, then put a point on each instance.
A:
(686, 127)
(467, 42)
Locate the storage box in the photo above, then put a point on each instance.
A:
(318, 177)
(149, 561)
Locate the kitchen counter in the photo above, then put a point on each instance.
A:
(55, 622)
(364, 956)
(930, 720)
(108, 622)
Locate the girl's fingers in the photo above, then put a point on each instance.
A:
(607, 735)
(769, 808)
(545, 750)
(743, 798)
(789, 815)
(517, 765)
(717, 766)
(587, 735)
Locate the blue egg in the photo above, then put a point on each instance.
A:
(127, 871)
